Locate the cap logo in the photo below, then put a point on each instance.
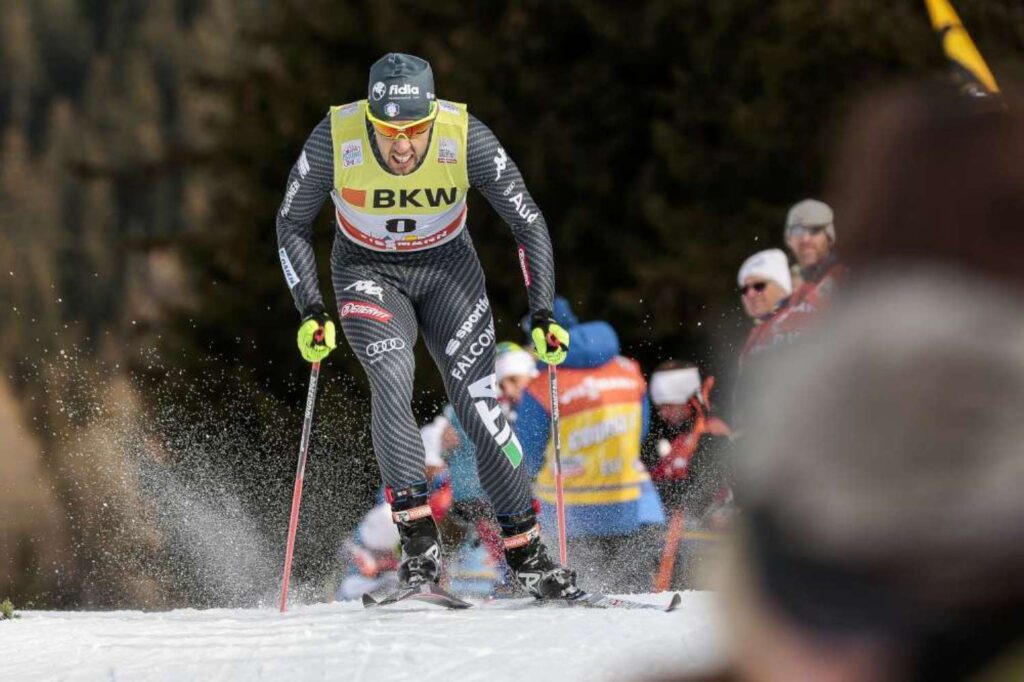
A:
(379, 88)
(391, 109)
(404, 89)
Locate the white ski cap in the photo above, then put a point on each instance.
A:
(770, 264)
(432, 435)
(811, 213)
(377, 531)
(674, 386)
(515, 363)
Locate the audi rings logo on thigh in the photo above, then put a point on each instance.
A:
(378, 348)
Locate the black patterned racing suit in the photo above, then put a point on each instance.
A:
(385, 299)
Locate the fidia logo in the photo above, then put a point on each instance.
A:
(414, 198)
(403, 89)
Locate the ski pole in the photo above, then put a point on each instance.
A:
(668, 556)
(563, 552)
(300, 471)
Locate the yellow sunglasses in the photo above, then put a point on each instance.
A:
(407, 128)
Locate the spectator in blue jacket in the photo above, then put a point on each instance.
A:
(614, 516)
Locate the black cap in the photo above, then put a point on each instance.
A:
(401, 88)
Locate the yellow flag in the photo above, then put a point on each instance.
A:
(969, 67)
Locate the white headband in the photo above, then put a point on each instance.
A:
(674, 386)
(514, 363)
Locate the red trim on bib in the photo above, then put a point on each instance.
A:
(355, 234)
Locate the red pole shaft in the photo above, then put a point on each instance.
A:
(663, 578)
(300, 472)
(563, 550)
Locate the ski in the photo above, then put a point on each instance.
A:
(592, 600)
(596, 600)
(427, 592)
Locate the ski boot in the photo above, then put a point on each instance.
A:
(421, 545)
(528, 559)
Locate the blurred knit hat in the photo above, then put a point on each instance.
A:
(674, 386)
(844, 485)
(770, 264)
(811, 213)
(401, 88)
(513, 363)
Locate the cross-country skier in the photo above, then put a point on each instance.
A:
(398, 166)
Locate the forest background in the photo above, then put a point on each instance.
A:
(151, 392)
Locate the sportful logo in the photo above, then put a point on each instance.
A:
(483, 391)
(379, 88)
(385, 346)
(368, 287)
(473, 352)
(293, 189)
(500, 161)
(368, 311)
(303, 164)
(468, 325)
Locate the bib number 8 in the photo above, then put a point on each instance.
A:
(400, 225)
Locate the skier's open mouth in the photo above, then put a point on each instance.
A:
(403, 162)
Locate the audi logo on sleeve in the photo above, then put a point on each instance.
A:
(385, 346)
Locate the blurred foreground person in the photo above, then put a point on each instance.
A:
(613, 514)
(882, 536)
(398, 166)
(684, 453)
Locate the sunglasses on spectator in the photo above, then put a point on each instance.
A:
(809, 230)
(756, 286)
(409, 129)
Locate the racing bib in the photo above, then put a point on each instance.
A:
(600, 427)
(385, 212)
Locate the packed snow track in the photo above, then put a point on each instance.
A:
(502, 640)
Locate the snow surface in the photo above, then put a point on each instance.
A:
(503, 640)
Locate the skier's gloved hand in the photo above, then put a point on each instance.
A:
(317, 336)
(550, 339)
